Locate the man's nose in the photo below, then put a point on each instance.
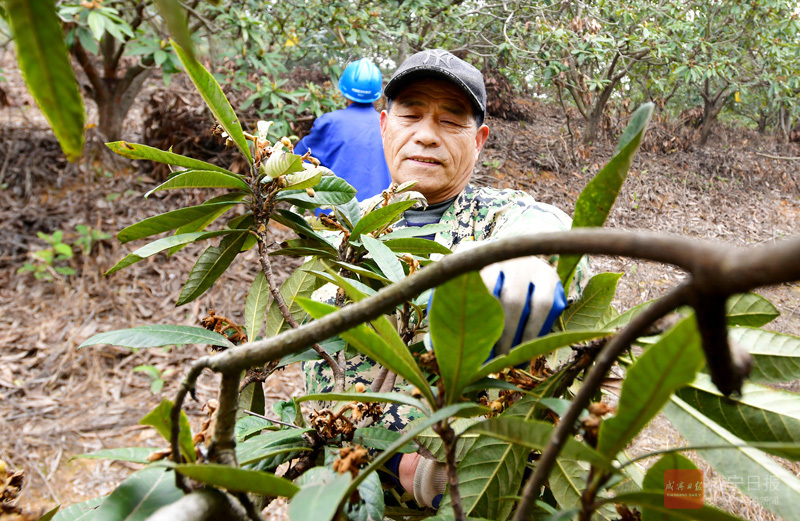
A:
(427, 134)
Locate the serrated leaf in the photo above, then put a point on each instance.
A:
(304, 179)
(300, 283)
(654, 501)
(136, 498)
(157, 335)
(667, 365)
(215, 99)
(210, 266)
(654, 481)
(164, 244)
(329, 191)
(258, 447)
(45, 65)
(414, 231)
(239, 480)
(160, 419)
(170, 221)
(598, 197)
(319, 501)
(384, 257)
(379, 438)
(776, 356)
(132, 454)
(588, 311)
(201, 179)
(369, 343)
(567, 482)
(137, 151)
(415, 246)
(739, 461)
(464, 441)
(83, 511)
(465, 322)
(284, 163)
(750, 309)
(534, 349)
(760, 414)
(255, 308)
(535, 435)
(380, 218)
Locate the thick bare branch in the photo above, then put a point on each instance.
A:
(208, 504)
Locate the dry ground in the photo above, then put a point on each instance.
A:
(57, 402)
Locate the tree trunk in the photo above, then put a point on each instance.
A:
(113, 108)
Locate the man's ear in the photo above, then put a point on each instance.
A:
(480, 139)
(384, 117)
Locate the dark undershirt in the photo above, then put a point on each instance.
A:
(430, 215)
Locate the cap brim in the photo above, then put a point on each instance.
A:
(402, 79)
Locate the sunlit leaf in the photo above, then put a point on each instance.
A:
(174, 15)
(83, 511)
(415, 231)
(132, 454)
(201, 179)
(164, 244)
(284, 163)
(160, 419)
(169, 221)
(45, 65)
(384, 257)
(380, 218)
(157, 335)
(415, 246)
(776, 356)
(239, 480)
(329, 191)
(137, 151)
(750, 309)
(255, 308)
(587, 312)
(136, 498)
(319, 501)
(210, 266)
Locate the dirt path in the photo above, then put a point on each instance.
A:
(57, 401)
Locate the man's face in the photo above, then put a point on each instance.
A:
(429, 135)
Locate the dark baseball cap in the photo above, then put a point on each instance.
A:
(441, 64)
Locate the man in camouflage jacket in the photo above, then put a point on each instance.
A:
(433, 132)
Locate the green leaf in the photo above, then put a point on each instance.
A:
(760, 414)
(567, 482)
(136, 498)
(239, 480)
(300, 284)
(175, 16)
(97, 24)
(379, 438)
(305, 179)
(83, 511)
(667, 365)
(313, 246)
(535, 435)
(465, 322)
(598, 197)
(159, 418)
(654, 481)
(588, 311)
(248, 425)
(319, 502)
(348, 213)
(258, 447)
(654, 502)
(284, 163)
(416, 246)
(255, 309)
(534, 349)
(296, 223)
(414, 231)
(164, 244)
(201, 179)
(750, 309)
(354, 289)
(169, 221)
(625, 318)
(251, 399)
(384, 257)
(464, 440)
(210, 266)
(380, 218)
(371, 506)
(329, 191)
(369, 343)
(211, 92)
(132, 454)
(45, 65)
(157, 335)
(776, 356)
(738, 464)
(137, 151)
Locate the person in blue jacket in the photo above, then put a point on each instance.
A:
(348, 141)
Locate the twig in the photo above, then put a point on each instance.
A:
(251, 413)
(591, 384)
(783, 158)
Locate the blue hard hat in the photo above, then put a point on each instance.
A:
(361, 81)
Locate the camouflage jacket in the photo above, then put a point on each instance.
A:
(476, 214)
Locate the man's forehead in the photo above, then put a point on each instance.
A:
(443, 91)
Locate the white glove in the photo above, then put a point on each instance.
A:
(531, 294)
(430, 480)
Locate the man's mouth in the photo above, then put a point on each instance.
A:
(425, 160)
